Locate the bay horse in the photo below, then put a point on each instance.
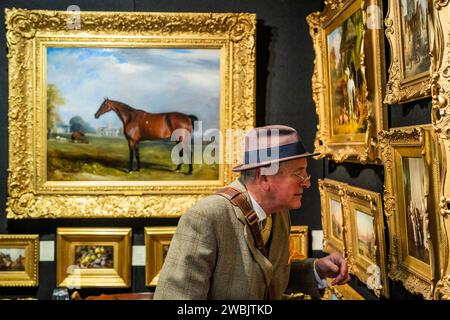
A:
(140, 125)
(79, 137)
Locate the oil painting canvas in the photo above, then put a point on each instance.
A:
(12, 259)
(415, 42)
(336, 219)
(366, 235)
(90, 257)
(415, 204)
(116, 111)
(349, 110)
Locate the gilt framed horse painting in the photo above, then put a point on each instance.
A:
(122, 127)
(125, 114)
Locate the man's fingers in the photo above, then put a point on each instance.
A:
(341, 280)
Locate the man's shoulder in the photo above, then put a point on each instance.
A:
(214, 201)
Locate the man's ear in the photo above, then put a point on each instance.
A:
(262, 180)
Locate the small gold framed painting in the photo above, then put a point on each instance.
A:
(408, 29)
(19, 260)
(298, 243)
(365, 238)
(332, 215)
(94, 257)
(157, 242)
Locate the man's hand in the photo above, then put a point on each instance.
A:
(333, 266)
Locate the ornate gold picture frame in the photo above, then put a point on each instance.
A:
(19, 260)
(409, 29)
(157, 242)
(348, 79)
(93, 257)
(60, 165)
(440, 116)
(298, 243)
(365, 238)
(411, 206)
(333, 216)
(343, 292)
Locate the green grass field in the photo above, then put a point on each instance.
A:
(106, 159)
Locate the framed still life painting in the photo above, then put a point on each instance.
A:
(19, 260)
(125, 114)
(411, 206)
(333, 216)
(93, 257)
(157, 242)
(365, 238)
(348, 79)
(409, 29)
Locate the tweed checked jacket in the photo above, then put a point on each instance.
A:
(213, 256)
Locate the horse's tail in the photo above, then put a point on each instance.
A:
(193, 118)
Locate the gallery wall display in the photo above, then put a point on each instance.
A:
(19, 260)
(93, 257)
(348, 79)
(409, 29)
(410, 156)
(103, 107)
(157, 242)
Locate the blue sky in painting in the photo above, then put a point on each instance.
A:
(155, 80)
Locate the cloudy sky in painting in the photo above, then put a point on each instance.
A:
(334, 42)
(155, 80)
(364, 223)
(13, 252)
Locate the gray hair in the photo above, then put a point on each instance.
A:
(248, 176)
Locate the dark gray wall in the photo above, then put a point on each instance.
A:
(284, 68)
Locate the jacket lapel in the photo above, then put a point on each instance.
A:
(263, 262)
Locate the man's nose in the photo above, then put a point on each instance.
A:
(306, 184)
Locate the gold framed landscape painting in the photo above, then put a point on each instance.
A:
(93, 257)
(125, 114)
(157, 242)
(298, 243)
(19, 260)
(348, 79)
(365, 238)
(411, 206)
(408, 29)
(333, 216)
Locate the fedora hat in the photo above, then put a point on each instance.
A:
(270, 144)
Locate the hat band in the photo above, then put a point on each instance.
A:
(275, 153)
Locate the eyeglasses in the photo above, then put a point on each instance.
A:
(303, 180)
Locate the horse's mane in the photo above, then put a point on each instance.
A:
(123, 105)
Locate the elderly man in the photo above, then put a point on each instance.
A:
(235, 244)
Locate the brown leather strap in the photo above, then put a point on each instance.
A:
(238, 199)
